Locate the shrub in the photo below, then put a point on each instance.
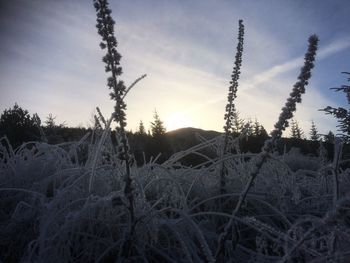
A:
(18, 126)
(340, 113)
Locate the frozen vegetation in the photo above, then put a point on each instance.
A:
(49, 215)
(87, 201)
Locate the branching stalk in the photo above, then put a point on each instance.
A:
(133, 84)
(105, 26)
(280, 126)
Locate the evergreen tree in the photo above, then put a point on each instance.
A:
(300, 133)
(158, 143)
(157, 126)
(142, 130)
(296, 131)
(263, 132)
(237, 124)
(342, 114)
(314, 136)
(293, 132)
(50, 121)
(249, 128)
(258, 130)
(18, 126)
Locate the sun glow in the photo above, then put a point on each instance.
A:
(177, 120)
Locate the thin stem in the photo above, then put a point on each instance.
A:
(133, 84)
(280, 126)
(337, 155)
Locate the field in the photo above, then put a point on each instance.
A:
(288, 214)
(88, 201)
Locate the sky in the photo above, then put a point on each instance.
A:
(50, 60)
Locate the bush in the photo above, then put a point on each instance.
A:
(18, 126)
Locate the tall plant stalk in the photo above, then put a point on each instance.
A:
(280, 126)
(338, 147)
(230, 107)
(105, 26)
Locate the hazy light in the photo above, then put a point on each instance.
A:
(177, 120)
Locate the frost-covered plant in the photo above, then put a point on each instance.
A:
(232, 94)
(105, 26)
(231, 113)
(295, 95)
(280, 126)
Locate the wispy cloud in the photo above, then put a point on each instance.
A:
(334, 47)
(192, 90)
(186, 49)
(275, 71)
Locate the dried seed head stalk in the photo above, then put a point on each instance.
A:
(230, 112)
(287, 110)
(295, 95)
(105, 26)
(230, 107)
(280, 126)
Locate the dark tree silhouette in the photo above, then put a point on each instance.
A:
(237, 123)
(296, 131)
(18, 126)
(158, 143)
(157, 126)
(50, 121)
(142, 130)
(258, 130)
(314, 136)
(342, 114)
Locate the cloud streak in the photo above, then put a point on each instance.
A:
(186, 50)
(334, 47)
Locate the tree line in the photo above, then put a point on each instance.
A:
(19, 126)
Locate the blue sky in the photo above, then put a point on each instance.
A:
(50, 61)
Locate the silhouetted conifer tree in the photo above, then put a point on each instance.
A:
(296, 131)
(50, 121)
(314, 136)
(342, 114)
(237, 123)
(158, 143)
(18, 126)
(249, 128)
(157, 126)
(142, 130)
(259, 130)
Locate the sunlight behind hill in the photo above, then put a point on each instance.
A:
(178, 120)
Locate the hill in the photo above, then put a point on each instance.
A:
(184, 138)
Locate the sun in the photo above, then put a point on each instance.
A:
(177, 120)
